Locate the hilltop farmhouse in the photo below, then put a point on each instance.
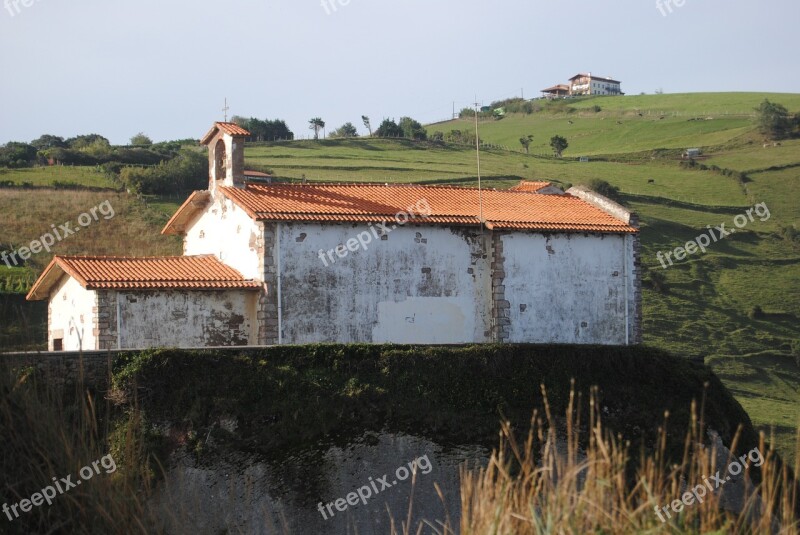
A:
(270, 263)
(585, 84)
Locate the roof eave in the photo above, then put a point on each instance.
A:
(52, 274)
(196, 202)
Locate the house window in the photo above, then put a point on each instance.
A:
(58, 344)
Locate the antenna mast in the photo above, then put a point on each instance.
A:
(225, 109)
(478, 154)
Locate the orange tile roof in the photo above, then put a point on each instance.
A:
(232, 129)
(448, 205)
(204, 272)
(257, 174)
(530, 186)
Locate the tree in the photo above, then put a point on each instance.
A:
(389, 128)
(773, 120)
(141, 139)
(81, 142)
(412, 129)
(316, 124)
(367, 124)
(346, 130)
(266, 130)
(16, 154)
(48, 141)
(559, 145)
(525, 141)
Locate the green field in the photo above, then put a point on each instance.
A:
(708, 299)
(93, 177)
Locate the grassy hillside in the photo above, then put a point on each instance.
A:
(629, 123)
(707, 301)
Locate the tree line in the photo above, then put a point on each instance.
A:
(406, 127)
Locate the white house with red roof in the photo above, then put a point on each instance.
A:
(272, 263)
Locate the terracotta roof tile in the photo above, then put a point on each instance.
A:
(153, 273)
(530, 186)
(232, 129)
(447, 205)
(258, 174)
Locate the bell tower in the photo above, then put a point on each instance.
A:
(225, 142)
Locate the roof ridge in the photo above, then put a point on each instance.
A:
(115, 257)
(372, 184)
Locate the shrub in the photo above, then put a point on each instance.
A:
(465, 137)
(788, 233)
(756, 313)
(412, 129)
(658, 281)
(187, 172)
(603, 188)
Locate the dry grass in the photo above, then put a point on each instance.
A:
(133, 230)
(551, 484)
(47, 434)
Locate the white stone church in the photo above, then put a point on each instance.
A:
(272, 263)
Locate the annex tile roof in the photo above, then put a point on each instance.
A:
(530, 186)
(257, 174)
(232, 129)
(430, 205)
(203, 272)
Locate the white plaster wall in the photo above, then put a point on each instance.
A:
(72, 311)
(420, 285)
(226, 231)
(187, 319)
(568, 288)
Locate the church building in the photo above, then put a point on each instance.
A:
(277, 263)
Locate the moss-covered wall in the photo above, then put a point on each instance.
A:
(287, 396)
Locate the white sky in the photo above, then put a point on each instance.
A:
(117, 67)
